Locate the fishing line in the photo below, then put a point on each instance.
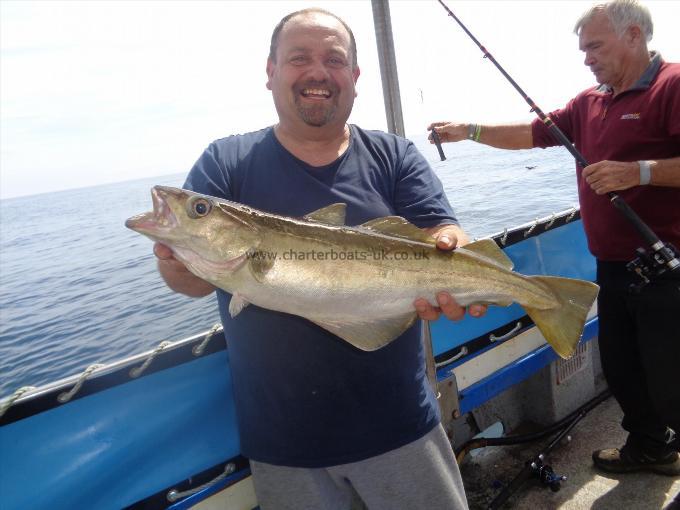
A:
(650, 263)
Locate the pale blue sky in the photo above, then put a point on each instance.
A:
(96, 92)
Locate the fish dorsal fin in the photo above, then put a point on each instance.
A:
(398, 227)
(489, 249)
(333, 214)
(367, 333)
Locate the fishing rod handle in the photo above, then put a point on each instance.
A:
(647, 234)
(512, 487)
(438, 142)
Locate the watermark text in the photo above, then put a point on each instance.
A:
(338, 255)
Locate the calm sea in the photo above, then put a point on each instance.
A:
(77, 287)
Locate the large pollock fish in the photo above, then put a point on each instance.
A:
(357, 282)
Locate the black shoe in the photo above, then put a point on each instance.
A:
(614, 460)
(675, 504)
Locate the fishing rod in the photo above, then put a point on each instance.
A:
(652, 262)
(438, 143)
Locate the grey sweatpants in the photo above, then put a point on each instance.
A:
(422, 474)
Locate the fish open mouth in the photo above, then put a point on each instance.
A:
(158, 221)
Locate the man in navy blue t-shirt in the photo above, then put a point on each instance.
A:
(324, 424)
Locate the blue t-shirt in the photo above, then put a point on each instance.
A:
(303, 396)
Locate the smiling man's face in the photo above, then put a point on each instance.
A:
(313, 77)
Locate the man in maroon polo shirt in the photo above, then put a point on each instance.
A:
(628, 127)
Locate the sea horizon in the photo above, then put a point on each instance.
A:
(78, 288)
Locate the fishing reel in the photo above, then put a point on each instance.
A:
(546, 475)
(652, 263)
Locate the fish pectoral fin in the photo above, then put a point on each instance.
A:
(488, 248)
(368, 334)
(236, 304)
(333, 214)
(260, 262)
(397, 226)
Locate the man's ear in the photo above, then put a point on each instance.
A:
(634, 34)
(270, 72)
(355, 74)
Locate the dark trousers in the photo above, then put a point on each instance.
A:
(639, 341)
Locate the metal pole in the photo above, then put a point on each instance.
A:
(388, 66)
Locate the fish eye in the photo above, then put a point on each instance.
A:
(197, 207)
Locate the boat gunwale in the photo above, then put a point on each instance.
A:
(31, 403)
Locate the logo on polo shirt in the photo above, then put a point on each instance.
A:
(630, 116)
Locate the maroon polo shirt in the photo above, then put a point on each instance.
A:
(639, 124)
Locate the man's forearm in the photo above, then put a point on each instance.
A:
(607, 176)
(508, 136)
(505, 136)
(665, 172)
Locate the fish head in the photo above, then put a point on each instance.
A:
(204, 233)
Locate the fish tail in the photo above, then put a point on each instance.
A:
(562, 325)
